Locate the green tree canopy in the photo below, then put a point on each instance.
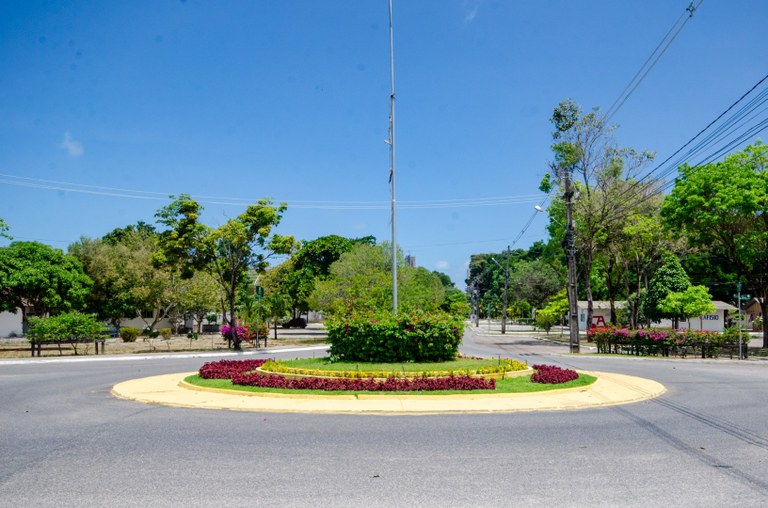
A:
(670, 278)
(36, 275)
(361, 283)
(722, 208)
(126, 283)
(695, 301)
(228, 252)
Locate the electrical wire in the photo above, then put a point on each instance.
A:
(651, 61)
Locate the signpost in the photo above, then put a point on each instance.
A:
(259, 296)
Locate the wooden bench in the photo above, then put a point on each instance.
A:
(38, 346)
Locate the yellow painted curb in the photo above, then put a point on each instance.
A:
(171, 390)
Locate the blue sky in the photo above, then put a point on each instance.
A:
(106, 108)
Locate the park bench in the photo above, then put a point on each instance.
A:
(40, 345)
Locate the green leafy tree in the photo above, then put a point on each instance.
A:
(312, 262)
(553, 313)
(196, 297)
(68, 326)
(534, 281)
(4, 230)
(227, 252)
(722, 208)
(361, 283)
(693, 302)
(670, 278)
(126, 283)
(36, 275)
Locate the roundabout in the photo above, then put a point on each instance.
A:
(171, 390)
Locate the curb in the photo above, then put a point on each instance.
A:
(171, 390)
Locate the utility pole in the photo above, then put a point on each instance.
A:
(742, 356)
(391, 142)
(506, 290)
(570, 251)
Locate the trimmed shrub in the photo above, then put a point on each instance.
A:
(129, 334)
(67, 326)
(165, 333)
(402, 338)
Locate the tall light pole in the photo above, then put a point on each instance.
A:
(391, 142)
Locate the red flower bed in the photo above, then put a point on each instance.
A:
(367, 384)
(241, 373)
(552, 375)
(226, 369)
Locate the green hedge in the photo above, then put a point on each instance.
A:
(68, 326)
(403, 338)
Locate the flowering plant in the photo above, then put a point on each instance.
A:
(226, 332)
(553, 375)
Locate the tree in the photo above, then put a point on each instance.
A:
(534, 281)
(312, 262)
(126, 283)
(670, 278)
(227, 252)
(722, 208)
(361, 283)
(602, 172)
(4, 230)
(196, 297)
(635, 250)
(693, 302)
(553, 313)
(41, 277)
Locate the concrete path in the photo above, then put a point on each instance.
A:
(171, 390)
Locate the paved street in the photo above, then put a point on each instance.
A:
(67, 442)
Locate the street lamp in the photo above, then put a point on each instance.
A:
(570, 252)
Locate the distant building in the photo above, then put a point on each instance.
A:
(601, 316)
(411, 260)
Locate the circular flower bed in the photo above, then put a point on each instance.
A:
(243, 372)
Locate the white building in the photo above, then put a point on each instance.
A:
(601, 316)
(10, 324)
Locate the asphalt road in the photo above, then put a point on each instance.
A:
(67, 442)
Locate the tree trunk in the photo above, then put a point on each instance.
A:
(233, 322)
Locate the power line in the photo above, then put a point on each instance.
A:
(651, 61)
(731, 132)
(119, 192)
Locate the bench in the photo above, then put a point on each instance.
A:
(38, 346)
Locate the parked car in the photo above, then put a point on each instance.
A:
(295, 323)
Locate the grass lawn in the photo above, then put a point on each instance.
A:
(510, 385)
